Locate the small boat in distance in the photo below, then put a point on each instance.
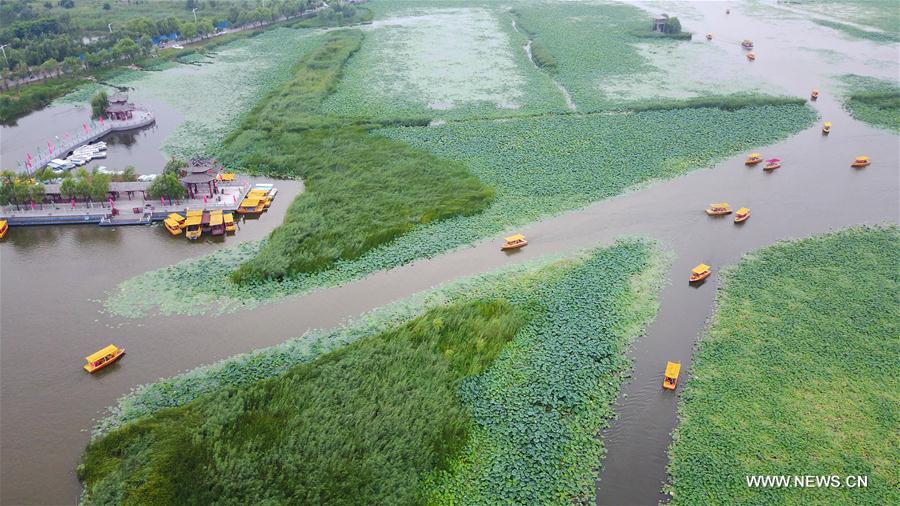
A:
(826, 127)
(718, 209)
(753, 159)
(747, 44)
(751, 57)
(103, 358)
(229, 222)
(708, 36)
(772, 164)
(514, 242)
(671, 376)
(4, 228)
(700, 273)
(861, 161)
(741, 214)
(814, 94)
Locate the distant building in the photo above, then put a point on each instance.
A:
(659, 24)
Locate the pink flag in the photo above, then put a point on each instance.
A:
(204, 200)
(29, 156)
(101, 120)
(32, 205)
(73, 203)
(49, 147)
(163, 199)
(84, 125)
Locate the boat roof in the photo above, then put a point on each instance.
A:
(109, 350)
(227, 176)
(755, 155)
(517, 237)
(193, 220)
(172, 222)
(215, 218)
(263, 185)
(229, 218)
(257, 192)
(827, 123)
(250, 202)
(195, 212)
(672, 369)
(862, 157)
(743, 210)
(720, 204)
(700, 269)
(175, 216)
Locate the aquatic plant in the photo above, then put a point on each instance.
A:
(571, 319)
(357, 426)
(874, 101)
(539, 166)
(440, 62)
(796, 376)
(363, 190)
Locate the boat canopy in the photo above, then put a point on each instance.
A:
(755, 155)
(862, 158)
(109, 350)
(743, 210)
(720, 205)
(828, 123)
(672, 369)
(175, 217)
(514, 238)
(250, 202)
(195, 212)
(215, 218)
(700, 269)
(229, 218)
(172, 223)
(193, 221)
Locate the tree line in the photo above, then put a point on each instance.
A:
(57, 43)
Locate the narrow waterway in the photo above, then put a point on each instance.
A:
(52, 277)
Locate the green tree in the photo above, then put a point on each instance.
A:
(36, 192)
(126, 47)
(167, 185)
(68, 187)
(7, 187)
(173, 165)
(71, 64)
(128, 174)
(99, 186)
(99, 104)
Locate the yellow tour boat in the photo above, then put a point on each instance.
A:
(193, 226)
(747, 44)
(229, 222)
(216, 223)
(103, 358)
(826, 127)
(262, 195)
(251, 205)
(514, 242)
(718, 209)
(673, 369)
(751, 56)
(174, 223)
(226, 176)
(742, 214)
(700, 273)
(4, 228)
(753, 159)
(861, 161)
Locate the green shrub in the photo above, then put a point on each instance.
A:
(21, 100)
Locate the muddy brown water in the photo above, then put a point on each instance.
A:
(50, 279)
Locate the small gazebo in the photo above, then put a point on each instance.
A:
(199, 173)
(119, 107)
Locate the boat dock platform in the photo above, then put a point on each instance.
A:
(138, 211)
(94, 132)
